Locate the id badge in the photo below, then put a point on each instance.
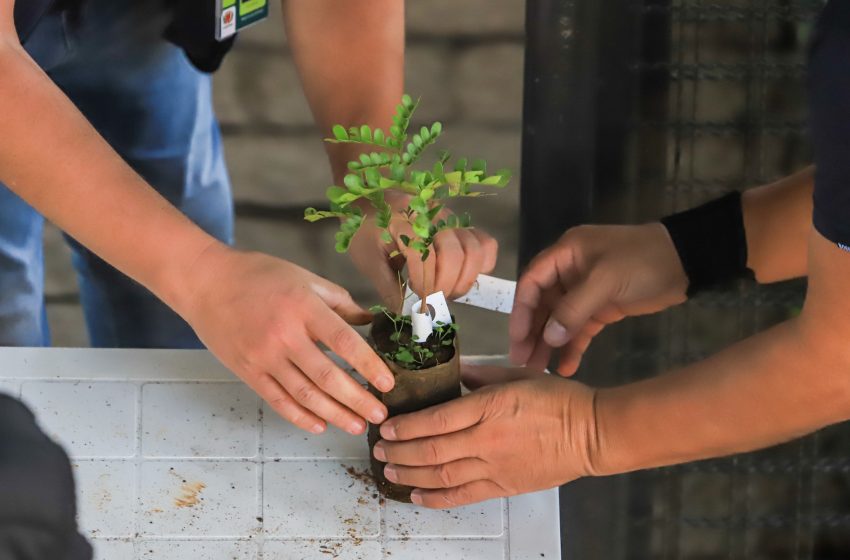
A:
(235, 15)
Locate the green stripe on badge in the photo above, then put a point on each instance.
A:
(246, 7)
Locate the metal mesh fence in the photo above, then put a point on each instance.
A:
(716, 101)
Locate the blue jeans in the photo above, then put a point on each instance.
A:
(155, 110)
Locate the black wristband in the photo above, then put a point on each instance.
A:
(711, 242)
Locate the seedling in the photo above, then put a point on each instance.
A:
(391, 163)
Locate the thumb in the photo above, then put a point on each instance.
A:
(338, 299)
(573, 310)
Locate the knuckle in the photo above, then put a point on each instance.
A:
(441, 421)
(432, 452)
(445, 476)
(343, 341)
(325, 375)
(305, 394)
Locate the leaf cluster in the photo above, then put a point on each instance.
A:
(389, 164)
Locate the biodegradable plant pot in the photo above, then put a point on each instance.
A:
(414, 390)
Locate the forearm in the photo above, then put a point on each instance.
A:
(350, 58)
(52, 158)
(777, 219)
(770, 388)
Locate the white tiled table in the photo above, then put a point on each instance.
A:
(175, 459)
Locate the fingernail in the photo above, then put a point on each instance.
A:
(384, 384)
(390, 473)
(379, 452)
(318, 428)
(416, 497)
(356, 428)
(388, 432)
(555, 334)
(378, 415)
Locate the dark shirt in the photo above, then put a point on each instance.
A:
(829, 114)
(192, 27)
(37, 512)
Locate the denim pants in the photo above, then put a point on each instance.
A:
(155, 110)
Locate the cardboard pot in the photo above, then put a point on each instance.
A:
(414, 390)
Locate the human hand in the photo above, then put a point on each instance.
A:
(592, 277)
(263, 318)
(459, 256)
(527, 435)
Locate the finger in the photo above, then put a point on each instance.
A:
(450, 261)
(285, 406)
(338, 299)
(528, 351)
(548, 269)
(332, 331)
(417, 270)
(540, 356)
(574, 310)
(308, 395)
(472, 263)
(475, 377)
(489, 250)
(331, 379)
(466, 494)
(572, 353)
(447, 475)
(452, 416)
(428, 451)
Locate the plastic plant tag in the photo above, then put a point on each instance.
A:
(438, 305)
(409, 299)
(423, 326)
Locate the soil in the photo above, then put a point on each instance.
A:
(383, 327)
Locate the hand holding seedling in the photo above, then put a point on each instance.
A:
(525, 432)
(407, 210)
(263, 318)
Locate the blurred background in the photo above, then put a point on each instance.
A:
(633, 109)
(465, 59)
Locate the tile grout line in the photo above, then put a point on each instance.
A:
(506, 528)
(261, 472)
(137, 498)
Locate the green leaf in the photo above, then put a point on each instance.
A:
(417, 141)
(426, 194)
(425, 254)
(384, 215)
(443, 156)
(366, 133)
(353, 182)
(373, 177)
(335, 194)
(452, 221)
(480, 165)
(405, 240)
(365, 159)
(465, 220)
(422, 225)
(425, 133)
(395, 130)
(404, 356)
(419, 205)
(378, 136)
(460, 165)
(386, 237)
(433, 212)
(397, 172)
(339, 132)
(407, 101)
(437, 129)
(395, 254)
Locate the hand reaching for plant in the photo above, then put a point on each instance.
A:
(459, 256)
(264, 318)
(592, 277)
(534, 433)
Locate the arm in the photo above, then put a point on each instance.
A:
(52, 157)
(597, 275)
(771, 388)
(777, 219)
(355, 74)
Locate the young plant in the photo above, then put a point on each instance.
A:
(390, 164)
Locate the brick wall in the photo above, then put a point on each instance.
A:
(463, 58)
